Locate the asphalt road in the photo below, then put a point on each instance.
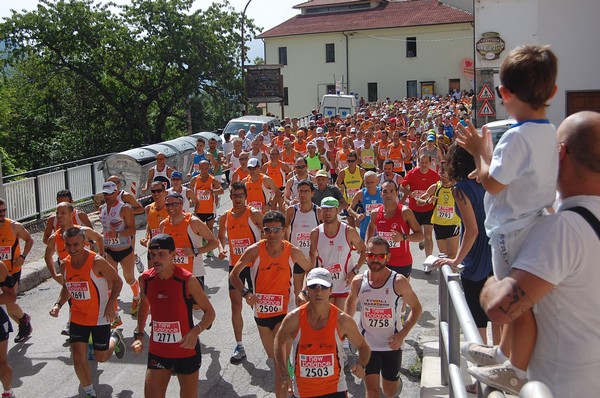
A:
(43, 366)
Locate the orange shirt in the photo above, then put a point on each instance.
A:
(89, 293)
(276, 174)
(155, 217)
(300, 148)
(203, 192)
(179, 233)
(258, 194)
(395, 154)
(241, 233)
(272, 279)
(9, 247)
(383, 149)
(316, 366)
(290, 158)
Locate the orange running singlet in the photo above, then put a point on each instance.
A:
(182, 240)
(241, 233)
(9, 246)
(206, 199)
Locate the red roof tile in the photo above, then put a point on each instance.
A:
(314, 3)
(387, 15)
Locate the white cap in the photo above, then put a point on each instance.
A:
(109, 187)
(319, 276)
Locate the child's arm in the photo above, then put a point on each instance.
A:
(480, 146)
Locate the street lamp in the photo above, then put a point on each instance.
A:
(244, 99)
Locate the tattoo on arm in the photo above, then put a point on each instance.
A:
(515, 301)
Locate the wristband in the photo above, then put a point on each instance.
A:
(356, 271)
(58, 304)
(245, 292)
(404, 237)
(23, 256)
(138, 335)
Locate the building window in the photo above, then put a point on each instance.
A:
(331, 89)
(411, 47)
(283, 55)
(372, 92)
(330, 52)
(285, 96)
(411, 88)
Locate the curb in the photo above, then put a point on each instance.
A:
(33, 274)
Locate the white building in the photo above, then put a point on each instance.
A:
(571, 28)
(372, 48)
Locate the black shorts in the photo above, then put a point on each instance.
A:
(5, 325)
(405, 270)
(244, 276)
(206, 217)
(472, 291)
(118, 255)
(343, 394)
(423, 217)
(182, 366)
(446, 231)
(270, 322)
(386, 363)
(16, 277)
(81, 334)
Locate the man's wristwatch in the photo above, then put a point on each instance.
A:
(245, 292)
(23, 256)
(196, 252)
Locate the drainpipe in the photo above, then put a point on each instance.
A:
(347, 66)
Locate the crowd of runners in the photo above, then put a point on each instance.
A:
(310, 207)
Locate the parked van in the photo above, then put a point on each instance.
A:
(333, 104)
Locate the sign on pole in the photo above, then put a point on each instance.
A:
(485, 93)
(486, 110)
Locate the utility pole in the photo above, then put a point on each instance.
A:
(244, 99)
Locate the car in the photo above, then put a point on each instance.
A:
(498, 128)
(244, 122)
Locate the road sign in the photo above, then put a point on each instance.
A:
(486, 110)
(485, 93)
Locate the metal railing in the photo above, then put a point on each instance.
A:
(31, 194)
(454, 316)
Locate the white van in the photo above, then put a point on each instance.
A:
(333, 104)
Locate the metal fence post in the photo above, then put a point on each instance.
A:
(443, 300)
(38, 203)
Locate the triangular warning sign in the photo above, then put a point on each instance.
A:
(486, 110)
(485, 93)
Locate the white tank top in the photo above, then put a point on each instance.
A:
(235, 161)
(111, 219)
(335, 254)
(294, 188)
(301, 226)
(258, 156)
(380, 312)
(186, 203)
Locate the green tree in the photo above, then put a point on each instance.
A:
(143, 62)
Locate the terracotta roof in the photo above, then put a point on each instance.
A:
(317, 3)
(387, 15)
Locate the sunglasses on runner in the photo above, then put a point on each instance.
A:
(317, 286)
(376, 256)
(268, 230)
(157, 190)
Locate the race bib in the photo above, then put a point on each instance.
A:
(5, 253)
(351, 192)
(79, 290)
(383, 152)
(368, 160)
(196, 166)
(342, 164)
(316, 365)
(269, 303)
(303, 239)
(378, 317)
(372, 206)
(398, 164)
(204, 194)
(166, 332)
(445, 212)
(257, 205)
(118, 241)
(335, 271)
(154, 231)
(180, 258)
(389, 237)
(239, 245)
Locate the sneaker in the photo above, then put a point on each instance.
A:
(65, 331)
(135, 306)
(239, 354)
(479, 354)
(421, 245)
(138, 264)
(116, 323)
(119, 343)
(25, 329)
(8, 395)
(503, 377)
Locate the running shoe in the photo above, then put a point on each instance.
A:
(116, 323)
(119, 343)
(138, 264)
(25, 329)
(502, 377)
(8, 395)
(135, 306)
(65, 331)
(239, 354)
(479, 354)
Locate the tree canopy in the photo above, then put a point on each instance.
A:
(83, 78)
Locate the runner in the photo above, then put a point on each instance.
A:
(256, 152)
(241, 172)
(396, 153)
(389, 174)
(156, 212)
(232, 159)
(369, 198)
(366, 154)
(318, 369)
(271, 264)
(394, 223)
(324, 189)
(205, 188)
(190, 200)
(382, 294)
(300, 174)
(11, 233)
(118, 226)
(415, 184)
(87, 278)
(314, 160)
(188, 231)
(381, 148)
(168, 294)
(241, 226)
(263, 194)
(289, 154)
(160, 172)
(9, 295)
(331, 246)
(350, 181)
(199, 156)
(79, 217)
